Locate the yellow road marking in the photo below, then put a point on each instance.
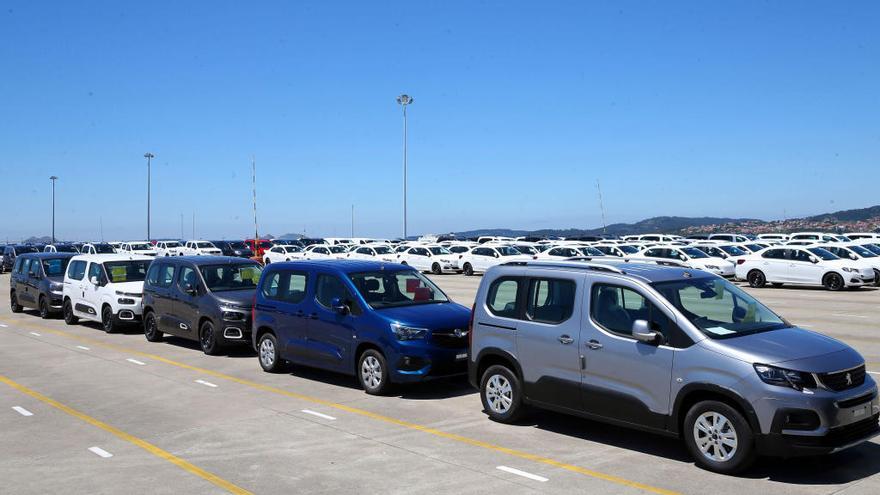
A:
(379, 417)
(156, 451)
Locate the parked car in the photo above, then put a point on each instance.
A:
(729, 238)
(105, 288)
(729, 252)
(98, 248)
(856, 253)
(10, 252)
(324, 252)
(801, 265)
(568, 251)
(234, 248)
(309, 241)
(201, 298)
(60, 248)
(383, 323)
(692, 257)
(679, 352)
(619, 250)
(36, 282)
(817, 236)
(169, 248)
(373, 252)
(200, 248)
(137, 248)
(870, 236)
(773, 237)
(430, 257)
(283, 253)
(258, 246)
(481, 258)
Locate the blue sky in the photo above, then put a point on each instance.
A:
(754, 109)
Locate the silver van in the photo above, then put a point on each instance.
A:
(665, 349)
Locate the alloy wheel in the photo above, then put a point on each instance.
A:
(267, 353)
(715, 436)
(499, 394)
(371, 372)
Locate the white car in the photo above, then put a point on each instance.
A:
(283, 253)
(106, 288)
(729, 252)
(138, 248)
(691, 257)
(373, 252)
(816, 237)
(481, 258)
(169, 248)
(857, 253)
(863, 236)
(97, 248)
(115, 245)
(324, 252)
(729, 238)
(60, 248)
(754, 246)
(802, 266)
(773, 237)
(433, 258)
(619, 250)
(337, 240)
(658, 238)
(201, 248)
(570, 251)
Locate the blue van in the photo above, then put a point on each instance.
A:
(384, 323)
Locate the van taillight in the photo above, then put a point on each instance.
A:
(740, 262)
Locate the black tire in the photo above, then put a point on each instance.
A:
(468, 269)
(876, 277)
(44, 309)
(833, 282)
(208, 339)
(372, 372)
(67, 310)
(435, 269)
(756, 279)
(107, 321)
(719, 456)
(268, 355)
(266, 261)
(151, 328)
(501, 393)
(13, 303)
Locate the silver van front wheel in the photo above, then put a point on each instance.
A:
(715, 436)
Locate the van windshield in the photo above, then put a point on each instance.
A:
(393, 289)
(227, 277)
(718, 308)
(127, 271)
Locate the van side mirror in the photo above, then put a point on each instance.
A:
(190, 289)
(814, 259)
(339, 306)
(642, 332)
(94, 280)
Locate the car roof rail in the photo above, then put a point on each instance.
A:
(561, 264)
(656, 261)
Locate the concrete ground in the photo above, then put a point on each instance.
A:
(165, 418)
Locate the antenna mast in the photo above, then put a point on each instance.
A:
(601, 207)
(254, 184)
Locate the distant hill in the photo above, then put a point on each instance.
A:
(654, 224)
(857, 215)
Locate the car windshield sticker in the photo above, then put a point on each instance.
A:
(118, 273)
(719, 330)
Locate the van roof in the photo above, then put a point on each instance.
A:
(648, 272)
(343, 266)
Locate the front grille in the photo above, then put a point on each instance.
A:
(855, 401)
(843, 380)
(447, 339)
(850, 433)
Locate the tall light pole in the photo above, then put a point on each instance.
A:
(404, 100)
(53, 179)
(149, 156)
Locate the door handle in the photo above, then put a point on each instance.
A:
(594, 344)
(565, 339)
(313, 316)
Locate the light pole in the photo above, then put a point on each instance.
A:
(149, 156)
(404, 100)
(53, 179)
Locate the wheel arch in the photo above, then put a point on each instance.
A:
(697, 392)
(491, 356)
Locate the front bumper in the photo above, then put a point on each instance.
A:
(421, 362)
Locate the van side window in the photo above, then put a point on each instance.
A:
(550, 300)
(186, 275)
(76, 270)
(615, 309)
(25, 266)
(285, 286)
(503, 297)
(329, 287)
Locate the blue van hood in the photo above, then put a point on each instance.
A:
(431, 316)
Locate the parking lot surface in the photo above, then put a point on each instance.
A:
(82, 411)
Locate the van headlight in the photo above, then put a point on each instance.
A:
(56, 288)
(403, 332)
(713, 267)
(233, 316)
(782, 377)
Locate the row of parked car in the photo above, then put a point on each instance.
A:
(643, 343)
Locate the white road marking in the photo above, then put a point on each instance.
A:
(522, 473)
(3, 326)
(22, 411)
(135, 361)
(207, 384)
(874, 372)
(100, 452)
(313, 413)
(849, 315)
(36, 334)
(83, 347)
